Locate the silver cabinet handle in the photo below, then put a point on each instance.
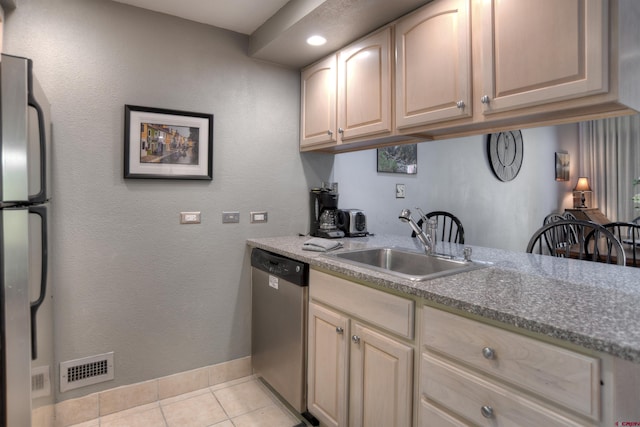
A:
(488, 353)
(340, 130)
(329, 132)
(460, 104)
(485, 99)
(355, 339)
(339, 330)
(486, 411)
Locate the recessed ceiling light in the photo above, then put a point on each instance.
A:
(316, 40)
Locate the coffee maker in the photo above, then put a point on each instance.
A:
(323, 210)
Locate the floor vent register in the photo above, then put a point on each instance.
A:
(86, 371)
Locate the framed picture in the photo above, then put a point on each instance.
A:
(562, 166)
(398, 159)
(167, 144)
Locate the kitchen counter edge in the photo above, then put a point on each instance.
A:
(588, 304)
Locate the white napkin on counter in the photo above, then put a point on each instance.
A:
(318, 244)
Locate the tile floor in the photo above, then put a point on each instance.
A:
(244, 402)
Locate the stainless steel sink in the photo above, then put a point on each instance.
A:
(406, 264)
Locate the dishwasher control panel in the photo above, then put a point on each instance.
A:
(284, 268)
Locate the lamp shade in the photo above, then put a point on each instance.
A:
(583, 184)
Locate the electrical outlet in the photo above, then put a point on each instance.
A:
(400, 191)
(258, 216)
(230, 217)
(189, 217)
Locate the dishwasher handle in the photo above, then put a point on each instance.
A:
(280, 266)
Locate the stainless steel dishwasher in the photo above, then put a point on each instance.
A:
(279, 299)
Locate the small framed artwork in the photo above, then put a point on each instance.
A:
(167, 144)
(562, 166)
(398, 159)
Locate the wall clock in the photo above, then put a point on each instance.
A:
(505, 154)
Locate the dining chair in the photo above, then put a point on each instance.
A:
(568, 239)
(450, 228)
(629, 235)
(553, 217)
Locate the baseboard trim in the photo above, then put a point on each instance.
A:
(86, 408)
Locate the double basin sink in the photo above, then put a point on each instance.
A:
(407, 264)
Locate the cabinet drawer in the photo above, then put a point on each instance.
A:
(563, 376)
(430, 416)
(481, 402)
(388, 312)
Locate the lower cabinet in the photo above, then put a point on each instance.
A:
(476, 374)
(327, 387)
(364, 370)
(358, 375)
(381, 386)
(482, 401)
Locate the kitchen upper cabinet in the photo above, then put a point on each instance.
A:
(532, 63)
(347, 96)
(318, 104)
(433, 64)
(364, 87)
(541, 51)
(359, 375)
(470, 67)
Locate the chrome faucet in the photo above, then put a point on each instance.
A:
(425, 239)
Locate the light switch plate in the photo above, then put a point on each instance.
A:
(230, 217)
(400, 191)
(189, 217)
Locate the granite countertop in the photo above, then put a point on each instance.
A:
(593, 305)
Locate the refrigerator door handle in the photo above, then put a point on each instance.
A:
(41, 196)
(41, 211)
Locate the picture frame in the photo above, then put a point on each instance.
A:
(562, 166)
(398, 159)
(167, 144)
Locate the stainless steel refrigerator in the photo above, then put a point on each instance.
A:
(26, 321)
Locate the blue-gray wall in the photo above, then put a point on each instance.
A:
(128, 277)
(454, 175)
(167, 297)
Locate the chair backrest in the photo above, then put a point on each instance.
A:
(629, 235)
(636, 220)
(450, 228)
(553, 217)
(571, 239)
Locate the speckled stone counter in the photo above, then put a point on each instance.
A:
(589, 304)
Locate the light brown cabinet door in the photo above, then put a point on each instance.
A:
(327, 366)
(433, 64)
(540, 51)
(364, 87)
(381, 377)
(318, 104)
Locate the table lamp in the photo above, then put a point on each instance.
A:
(583, 187)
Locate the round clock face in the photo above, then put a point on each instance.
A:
(505, 154)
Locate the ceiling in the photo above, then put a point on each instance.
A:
(278, 29)
(228, 14)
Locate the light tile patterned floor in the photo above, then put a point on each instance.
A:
(245, 402)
